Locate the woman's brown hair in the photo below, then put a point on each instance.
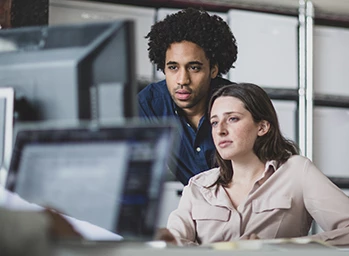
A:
(273, 145)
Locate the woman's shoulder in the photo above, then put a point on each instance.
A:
(298, 159)
(297, 163)
(205, 178)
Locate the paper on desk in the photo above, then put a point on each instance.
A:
(89, 231)
(278, 244)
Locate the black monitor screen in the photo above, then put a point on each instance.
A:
(70, 72)
(109, 176)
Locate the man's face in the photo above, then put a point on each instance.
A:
(188, 75)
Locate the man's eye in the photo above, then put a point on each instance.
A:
(195, 68)
(171, 67)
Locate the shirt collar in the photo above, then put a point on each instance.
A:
(272, 163)
(217, 196)
(206, 179)
(270, 169)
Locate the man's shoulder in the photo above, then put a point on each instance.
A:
(155, 100)
(153, 90)
(219, 81)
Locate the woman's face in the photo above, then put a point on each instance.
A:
(234, 131)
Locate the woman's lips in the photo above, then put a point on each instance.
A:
(224, 144)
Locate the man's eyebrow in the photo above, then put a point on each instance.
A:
(195, 63)
(171, 63)
(189, 63)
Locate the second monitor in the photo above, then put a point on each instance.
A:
(69, 72)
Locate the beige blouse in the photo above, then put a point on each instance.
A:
(283, 206)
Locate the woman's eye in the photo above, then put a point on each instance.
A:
(213, 124)
(233, 119)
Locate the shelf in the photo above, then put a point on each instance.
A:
(341, 182)
(323, 14)
(319, 99)
(282, 94)
(331, 101)
(215, 6)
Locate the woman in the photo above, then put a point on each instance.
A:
(262, 188)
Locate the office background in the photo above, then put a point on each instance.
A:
(297, 51)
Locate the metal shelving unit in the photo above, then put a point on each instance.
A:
(307, 97)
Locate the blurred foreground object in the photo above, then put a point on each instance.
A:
(31, 233)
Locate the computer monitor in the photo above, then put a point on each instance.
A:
(108, 175)
(70, 72)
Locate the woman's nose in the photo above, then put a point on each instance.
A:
(221, 128)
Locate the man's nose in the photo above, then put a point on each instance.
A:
(183, 77)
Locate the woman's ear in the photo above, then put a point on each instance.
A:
(264, 127)
(214, 71)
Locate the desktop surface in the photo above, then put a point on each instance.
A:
(156, 248)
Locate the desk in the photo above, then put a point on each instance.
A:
(120, 249)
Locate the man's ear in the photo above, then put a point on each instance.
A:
(264, 127)
(214, 71)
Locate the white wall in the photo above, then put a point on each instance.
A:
(331, 138)
(331, 55)
(267, 49)
(331, 77)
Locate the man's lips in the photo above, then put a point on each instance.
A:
(182, 94)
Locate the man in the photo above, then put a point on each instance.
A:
(193, 49)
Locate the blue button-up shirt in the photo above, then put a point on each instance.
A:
(196, 149)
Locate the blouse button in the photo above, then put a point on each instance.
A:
(198, 149)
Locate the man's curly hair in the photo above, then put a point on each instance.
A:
(210, 32)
